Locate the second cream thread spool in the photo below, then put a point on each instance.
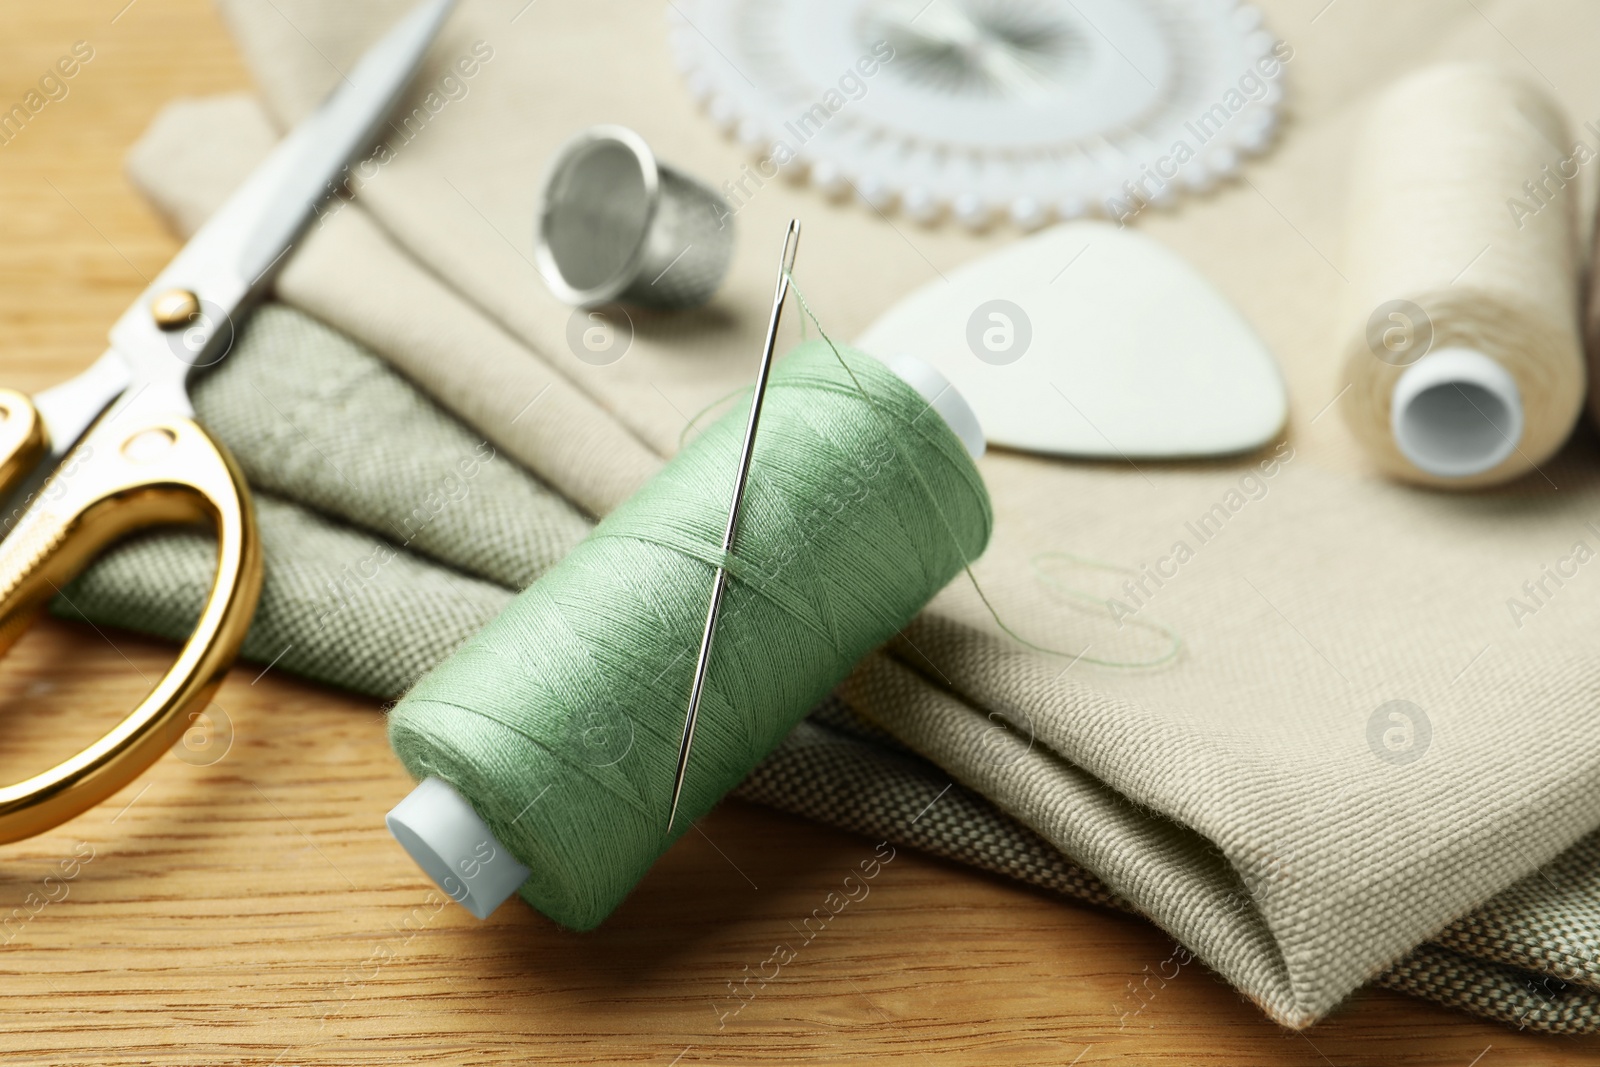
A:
(1464, 362)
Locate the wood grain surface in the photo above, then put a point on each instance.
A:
(245, 905)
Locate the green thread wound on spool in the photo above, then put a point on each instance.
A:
(560, 721)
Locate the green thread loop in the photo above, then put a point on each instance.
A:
(1081, 656)
(1174, 642)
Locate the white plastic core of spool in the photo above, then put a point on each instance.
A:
(455, 848)
(943, 397)
(1456, 413)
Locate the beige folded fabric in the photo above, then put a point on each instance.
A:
(1248, 795)
(348, 273)
(352, 602)
(384, 457)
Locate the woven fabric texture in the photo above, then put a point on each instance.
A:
(1234, 795)
(338, 604)
(1515, 966)
(344, 605)
(385, 457)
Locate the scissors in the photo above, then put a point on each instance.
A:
(116, 449)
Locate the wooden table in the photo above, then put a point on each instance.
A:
(253, 910)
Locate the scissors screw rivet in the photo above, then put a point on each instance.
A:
(146, 446)
(175, 309)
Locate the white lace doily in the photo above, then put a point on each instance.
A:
(1038, 109)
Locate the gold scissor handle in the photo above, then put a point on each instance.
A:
(122, 477)
(22, 438)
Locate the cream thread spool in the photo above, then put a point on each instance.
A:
(1465, 364)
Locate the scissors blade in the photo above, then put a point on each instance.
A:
(233, 257)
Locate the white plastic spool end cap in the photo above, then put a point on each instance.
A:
(943, 397)
(455, 848)
(1455, 413)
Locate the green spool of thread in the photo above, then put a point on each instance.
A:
(559, 723)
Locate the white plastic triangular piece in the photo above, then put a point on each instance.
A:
(1093, 340)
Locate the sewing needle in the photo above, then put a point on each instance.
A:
(719, 585)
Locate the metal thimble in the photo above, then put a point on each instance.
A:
(616, 225)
